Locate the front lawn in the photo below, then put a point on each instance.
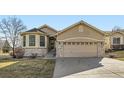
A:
(121, 59)
(119, 54)
(26, 68)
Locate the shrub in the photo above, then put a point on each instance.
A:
(108, 50)
(19, 53)
(33, 55)
(112, 55)
(11, 53)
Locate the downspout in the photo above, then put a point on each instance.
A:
(97, 49)
(63, 48)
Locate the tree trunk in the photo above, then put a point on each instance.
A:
(14, 56)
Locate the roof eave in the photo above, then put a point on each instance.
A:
(45, 25)
(81, 22)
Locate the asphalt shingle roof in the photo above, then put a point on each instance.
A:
(35, 30)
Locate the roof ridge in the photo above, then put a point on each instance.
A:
(46, 25)
(82, 22)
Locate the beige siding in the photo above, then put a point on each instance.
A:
(107, 42)
(74, 32)
(49, 31)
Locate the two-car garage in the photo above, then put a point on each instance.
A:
(80, 40)
(80, 48)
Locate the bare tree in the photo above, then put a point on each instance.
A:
(11, 28)
(116, 28)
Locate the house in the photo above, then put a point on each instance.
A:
(4, 46)
(78, 40)
(38, 40)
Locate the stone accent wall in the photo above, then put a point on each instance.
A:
(39, 51)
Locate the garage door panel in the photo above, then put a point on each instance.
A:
(80, 51)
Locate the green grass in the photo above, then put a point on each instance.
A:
(26, 68)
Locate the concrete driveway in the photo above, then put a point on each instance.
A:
(88, 68)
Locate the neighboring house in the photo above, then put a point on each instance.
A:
(78, 40)
(117, 39)
(4, 46)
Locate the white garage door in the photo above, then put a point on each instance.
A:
(78, 49)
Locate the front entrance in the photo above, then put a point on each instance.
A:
(52, 43)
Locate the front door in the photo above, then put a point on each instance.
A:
(51, 43)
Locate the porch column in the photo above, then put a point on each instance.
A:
(46, 42)
(27, 40)
(37, 40)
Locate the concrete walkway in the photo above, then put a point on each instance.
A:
(50, 55)
(89, 68)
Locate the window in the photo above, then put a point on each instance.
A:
(116, 40)
(73, 43)
(31, 40)
(86, 43)
(91, 43)
(64, 43)
(95, 43)
(69, 43)
(82, 43)
(78, 43)
(42, 41)
(24, 41)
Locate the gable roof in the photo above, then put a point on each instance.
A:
(33, 30)
(47, 26)
(81, 22)
(121, 32)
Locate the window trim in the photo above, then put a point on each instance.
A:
(24, 41)
(33, 42)
(115, 40)
(44, 41)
